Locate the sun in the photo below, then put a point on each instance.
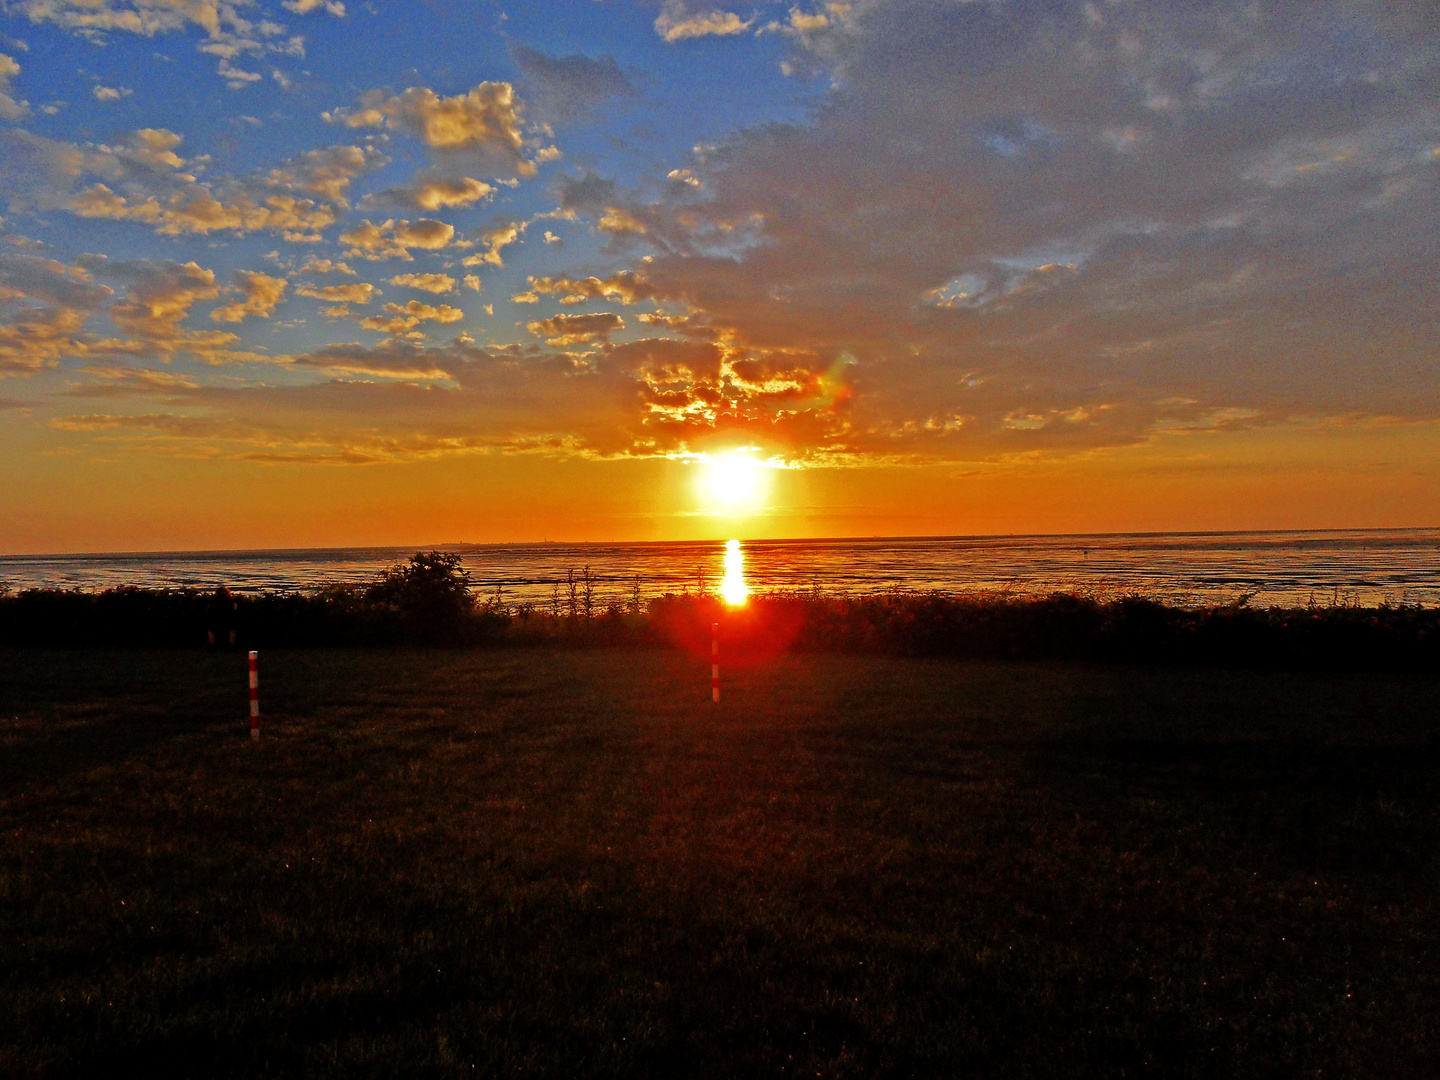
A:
(733, 481)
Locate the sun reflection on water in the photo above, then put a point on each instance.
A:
(733, 588)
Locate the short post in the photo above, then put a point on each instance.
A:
(254, 694)
(714, 661)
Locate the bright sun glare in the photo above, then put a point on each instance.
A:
(734, 481)
(733, 588)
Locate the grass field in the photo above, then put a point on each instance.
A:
(528, 862)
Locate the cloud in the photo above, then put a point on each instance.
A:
(431, 191)
(326, 173)
(144, 150)
(313, 264)
(305, 7)
(394, 239)
(389, 359)
(398, 401)
(10, 109)
(483, 125)
(598, 197)
(157, 301)
(110, 93)
(678, 20)
(160, 297)
(44, 305)
(145, 17)
(807, 22)
(570, 87)
(1009, 232)
(625, 286)
(435, 283)
(562, 330)
(670, 322)
(199, 210)
(1003, 230)
(260, 293)
(588, 193)
(359, 292)
(36, 172)
(29, 276)
(495, 241)
(171, 424)
(407, 317)
(228, 34)
(116, 379)
(377, 406)
(145, 180)
(244, 439)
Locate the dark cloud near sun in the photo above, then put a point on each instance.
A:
(567, 88)
(588, 193)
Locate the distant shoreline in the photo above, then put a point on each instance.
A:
(1292, 568)
(478, 545)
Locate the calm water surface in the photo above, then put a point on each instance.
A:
(1280, 568)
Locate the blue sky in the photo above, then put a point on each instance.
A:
(254, 112)
(1017, 247)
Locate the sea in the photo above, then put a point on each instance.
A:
(1283, 569)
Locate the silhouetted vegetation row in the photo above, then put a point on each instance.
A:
(432, 601)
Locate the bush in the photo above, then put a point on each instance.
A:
(430, 601)
(430, 596)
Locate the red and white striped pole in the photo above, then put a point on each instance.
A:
(254, 694)
(714, 661)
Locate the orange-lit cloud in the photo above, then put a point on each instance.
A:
(680, 19)
(625, 286)
(143, 179)
(561, 330)
(484, 123)
(394, 239)
(495, 241)
(10, 108)
(259, 295)
(44, 305)
(361, 292)
(406, 317)
(434, 283)
(430, 191)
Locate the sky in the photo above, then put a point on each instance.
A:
(287, 273)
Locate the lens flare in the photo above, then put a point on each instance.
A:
(733, 588)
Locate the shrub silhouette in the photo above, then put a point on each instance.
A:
(430, 595)
(429, 601)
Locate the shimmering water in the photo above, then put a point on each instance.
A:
(1282, 568)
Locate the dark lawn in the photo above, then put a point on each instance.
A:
(570, 863)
